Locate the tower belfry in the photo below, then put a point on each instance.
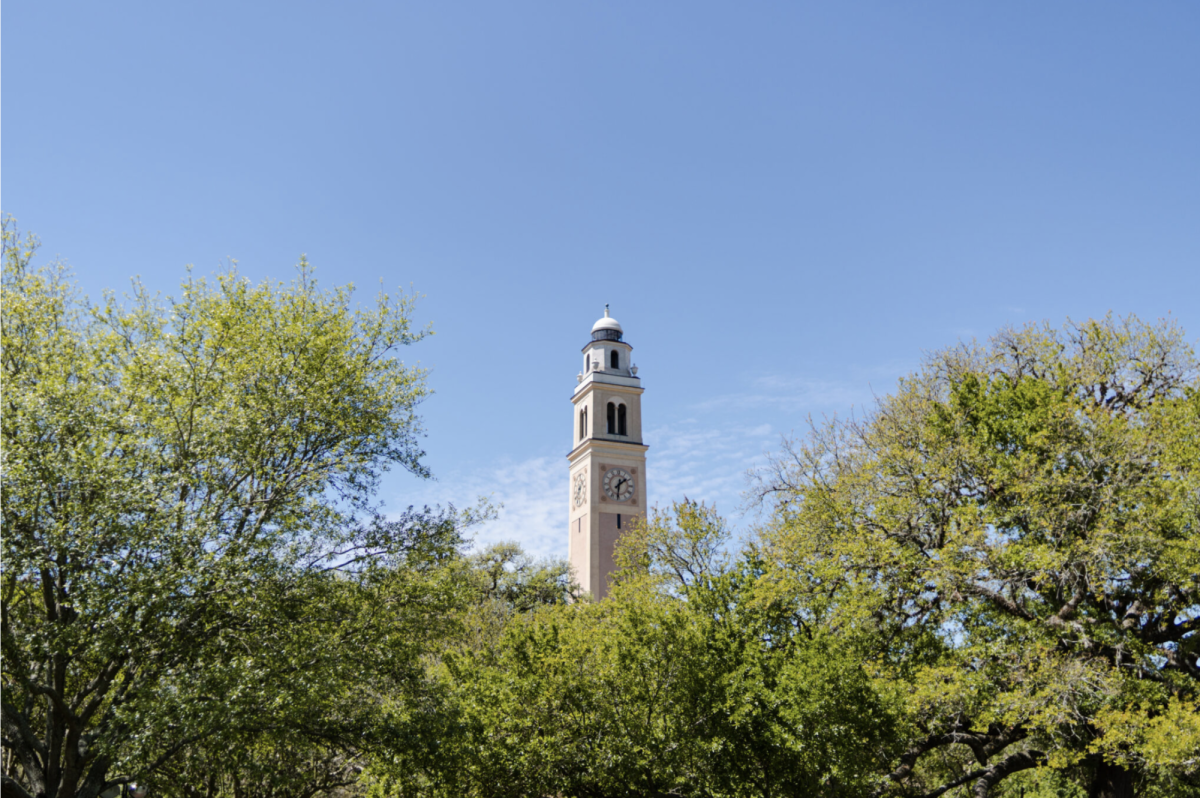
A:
(608, 460)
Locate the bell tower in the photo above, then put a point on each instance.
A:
(608, 460)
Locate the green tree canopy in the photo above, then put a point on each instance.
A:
(188, 512)
(987, 586)
(677, 684)
(1018, 527)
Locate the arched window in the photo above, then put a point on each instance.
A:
(621, 428)
(583, 424)
(587, 360)
(612, 419)
(614, 360)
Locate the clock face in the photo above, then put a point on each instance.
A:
(618, 484)
(579, 488)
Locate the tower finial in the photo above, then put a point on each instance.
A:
(606, 310)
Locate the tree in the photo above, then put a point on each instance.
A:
(346, 681)
(800, 713)
(1017, 525)
(580, 700)
(190, 544)
(676, 684)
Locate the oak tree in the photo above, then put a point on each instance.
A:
(1018, 525)
(191, 547)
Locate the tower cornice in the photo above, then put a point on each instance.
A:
(604, 444)
(602, 344)
(627, 385)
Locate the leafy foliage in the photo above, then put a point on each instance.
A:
(1018, 526)
(679, 683)
(988, 586)
(190, 546)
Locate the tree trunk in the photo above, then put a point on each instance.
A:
(1111, 781)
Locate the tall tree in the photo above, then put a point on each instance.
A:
(180, 482)
(1019, 526)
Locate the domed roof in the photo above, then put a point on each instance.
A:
(607, 323)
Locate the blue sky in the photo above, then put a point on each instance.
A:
(785, 204)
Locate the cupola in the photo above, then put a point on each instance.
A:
(607, 328)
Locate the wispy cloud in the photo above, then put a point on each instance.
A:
(695, 459)
(704, 454)
(533, 495)
(707, 456)
(688, 458)
(789, 394)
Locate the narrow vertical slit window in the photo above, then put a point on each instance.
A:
(614, 360)
(612, 419)
(583, 424)
(622, 429)
(618, 520)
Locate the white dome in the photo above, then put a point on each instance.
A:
(607, 323)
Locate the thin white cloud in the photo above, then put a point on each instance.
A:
(789, 393)
(772, 397)
(533, 495)
(702, 462)
(703, 456)
(707, 456)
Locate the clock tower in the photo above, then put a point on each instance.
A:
(608, 460)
